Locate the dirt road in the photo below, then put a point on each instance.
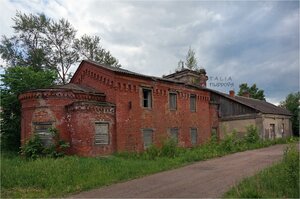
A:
(206, 179)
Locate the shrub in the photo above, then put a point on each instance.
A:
(169, 148)
(230, 141)
(252, 134)
(34, 148)
(152, 152)
(58, 147)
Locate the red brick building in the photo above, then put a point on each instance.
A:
(105, 109)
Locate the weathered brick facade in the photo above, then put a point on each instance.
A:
(106, 109)
(117, 100)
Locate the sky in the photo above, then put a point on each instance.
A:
(235, 41)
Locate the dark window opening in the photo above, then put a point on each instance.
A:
(173, 101)
(147, 98)
(193, 103)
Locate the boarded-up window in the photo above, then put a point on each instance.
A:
(173, 101)
(42, 129)
(147, 98)
(101, 133)
(194, 136)
(193, 103)
(174, 134)
(147, 137)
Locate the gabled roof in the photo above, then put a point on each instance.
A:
(77, 87)
(263, 106)
(259, 105)
(130, 73)
(181, 72)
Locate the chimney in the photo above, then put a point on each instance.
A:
(231, 93)
(203, 77)
(246, 94)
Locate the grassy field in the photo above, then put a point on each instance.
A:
(278, 181)
(47, 177)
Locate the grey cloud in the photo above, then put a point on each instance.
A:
(252, 41)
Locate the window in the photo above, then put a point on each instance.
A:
(193, 103)
(174, 134)
(194, 136)
(214, 133)
(42, 129)
(147, 137)
(173, 101)
(272, 130)
(147, 98)
(101, 133)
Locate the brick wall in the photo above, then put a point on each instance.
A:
(74, 120)
(126, 92)
(75, 114)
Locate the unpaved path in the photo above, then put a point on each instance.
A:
(205, 179)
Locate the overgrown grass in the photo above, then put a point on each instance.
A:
(47, 177)
(56, 177)
(278, 181)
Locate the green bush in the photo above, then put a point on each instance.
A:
(35, 149)
(230, 142)
(169, 148)
(152, 152)
(252, 134)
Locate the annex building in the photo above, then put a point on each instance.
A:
(106, 109)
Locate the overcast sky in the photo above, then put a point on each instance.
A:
(246, 41)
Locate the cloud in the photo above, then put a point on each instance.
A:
(251, 41)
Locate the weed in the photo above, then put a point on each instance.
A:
(278, 181)
(35, 149)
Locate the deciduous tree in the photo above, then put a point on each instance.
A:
(253, 91)
(15, 81)
(43, 43)
(292, 103)
(89, 47)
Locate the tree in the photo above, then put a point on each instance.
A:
(59, 38)
(43, 43)
(27, 46)
(15, 81)
(191, 61)
(292, 103)
(89, 48)
(253, 91)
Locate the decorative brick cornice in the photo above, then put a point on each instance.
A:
(61, 93)
(92, 106)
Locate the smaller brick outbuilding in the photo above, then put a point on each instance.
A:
(70, 109)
